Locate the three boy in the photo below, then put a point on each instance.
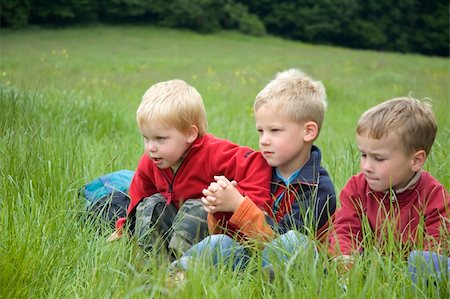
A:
(392, 190)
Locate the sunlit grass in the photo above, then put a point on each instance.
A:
(68, 100)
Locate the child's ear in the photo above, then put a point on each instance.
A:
(192, 134)
(311, 131)
(417, 160)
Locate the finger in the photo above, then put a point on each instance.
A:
(207, 209)
(211, 199)
(214, 187)
(222, 178)
(222, 184)
(234, 183)
(204, 201)
(206, 192)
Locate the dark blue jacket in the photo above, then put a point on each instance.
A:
(304, 202)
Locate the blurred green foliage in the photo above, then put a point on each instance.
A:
(417, 26)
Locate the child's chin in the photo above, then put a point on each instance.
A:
(377, 188)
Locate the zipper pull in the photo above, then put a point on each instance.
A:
(169, 198)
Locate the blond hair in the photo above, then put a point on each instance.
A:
(410, 118)
(173, 103)
(297, 95)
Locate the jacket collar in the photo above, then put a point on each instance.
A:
(307, 175)
(393, 195)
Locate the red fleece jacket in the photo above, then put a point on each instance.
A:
(207, 157)
(426, 202)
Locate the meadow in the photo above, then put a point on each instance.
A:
(68, 99)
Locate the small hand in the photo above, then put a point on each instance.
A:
(222, 196)
(208, 205)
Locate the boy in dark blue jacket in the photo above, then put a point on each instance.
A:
(289, 113)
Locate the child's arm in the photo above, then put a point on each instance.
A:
(346, 235)
(437, 224)
(247, 218)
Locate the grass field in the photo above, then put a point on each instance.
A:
(68, 99)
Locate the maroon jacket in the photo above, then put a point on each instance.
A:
(207, 157)
(427, 201)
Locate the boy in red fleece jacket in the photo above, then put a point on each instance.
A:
(392, 192)
(180, 159)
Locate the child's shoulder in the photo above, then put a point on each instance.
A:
(221, 146)
(429, 184)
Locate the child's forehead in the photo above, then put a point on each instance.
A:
(387, 143)
(155, 128)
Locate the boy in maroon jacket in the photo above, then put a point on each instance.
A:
(392, 192)
(180, 160)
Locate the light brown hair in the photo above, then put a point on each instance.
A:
(412, 120)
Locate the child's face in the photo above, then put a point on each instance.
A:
(165, 146)
(384, 162)
(281, 141)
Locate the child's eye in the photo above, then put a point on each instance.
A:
(379, 159)
(363, 155)
(274, 130)
(160, 138)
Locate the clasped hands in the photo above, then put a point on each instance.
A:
(221, 196)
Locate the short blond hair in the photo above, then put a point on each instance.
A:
(411, 119)
(173, 103)
(297, 95)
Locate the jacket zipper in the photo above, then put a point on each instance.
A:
(170, 183)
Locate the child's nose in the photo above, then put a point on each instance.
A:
(366, 165)
(150, 146)
(263, 140)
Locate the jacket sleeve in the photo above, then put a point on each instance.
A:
(248, 222)
(346, 232)
(437, 223)
(253, 175)
(251, 221)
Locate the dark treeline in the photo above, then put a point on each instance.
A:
(417, 26)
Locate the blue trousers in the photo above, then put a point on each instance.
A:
(423, 264)
(225, 250)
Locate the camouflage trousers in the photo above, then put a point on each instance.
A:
(160, 225)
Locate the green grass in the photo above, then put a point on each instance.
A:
(68, 100)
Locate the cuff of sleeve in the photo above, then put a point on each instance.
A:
(241, 212)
